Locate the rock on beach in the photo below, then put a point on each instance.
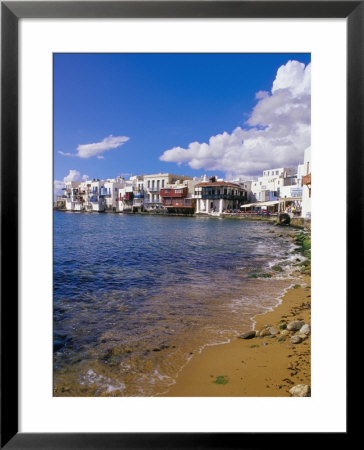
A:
(301, 390)
(296, 339)
(295, 325)
(264, 332)
(248, 335)
(306, 329)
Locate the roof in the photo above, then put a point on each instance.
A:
(217, 183)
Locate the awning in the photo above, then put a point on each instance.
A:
(259, 204)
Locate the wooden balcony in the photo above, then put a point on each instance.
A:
(306, 180)
(173, 193)
(178, 203)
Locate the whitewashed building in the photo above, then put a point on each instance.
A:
(71, 195)
(109, 191)
(306, 185)
(216, 196)
(274, 183)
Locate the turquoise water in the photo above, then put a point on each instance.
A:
(136, 296)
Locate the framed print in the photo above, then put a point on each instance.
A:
(153, 156)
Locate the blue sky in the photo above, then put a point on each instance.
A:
(224, 114)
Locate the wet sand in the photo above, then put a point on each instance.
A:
(257, 367)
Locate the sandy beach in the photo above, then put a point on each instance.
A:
(262, 366)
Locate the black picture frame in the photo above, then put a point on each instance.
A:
(11, 12)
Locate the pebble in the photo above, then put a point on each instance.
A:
(296, 339)
(301, 390)
(264, 332)
(306, 329)
(302, 335)
(295, 325)
(248, 335)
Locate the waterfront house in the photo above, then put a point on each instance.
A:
(130, 195)
(109, 191)
(71, 195)
(138, 192)
(179, 197)
(215, 196)
(246, 185)
(152, 186)
(60, 202)
(95, 196)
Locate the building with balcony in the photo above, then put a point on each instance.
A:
(272, 184)
(152, 186)
(174, 199)
(214, 197)
(109, 191)
(72, 197)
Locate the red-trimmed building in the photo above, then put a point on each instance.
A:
(176, 200)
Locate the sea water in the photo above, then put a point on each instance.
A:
(136, 296)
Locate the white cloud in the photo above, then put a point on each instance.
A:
(97, 148)
(275, 135)
(73, 175)
(261, 94)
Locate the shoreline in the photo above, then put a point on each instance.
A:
(296, 223)
(261, 366)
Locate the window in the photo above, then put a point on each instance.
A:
(153, 184)
(162, 183)
(157, 184)
(148, 184)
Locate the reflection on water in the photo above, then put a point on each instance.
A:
(136, 296)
